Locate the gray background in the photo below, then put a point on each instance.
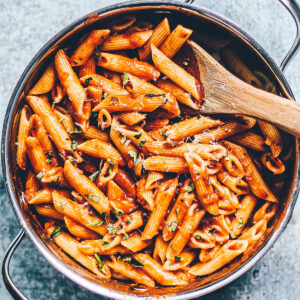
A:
(25, 26)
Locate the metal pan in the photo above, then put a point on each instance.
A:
(194, 17)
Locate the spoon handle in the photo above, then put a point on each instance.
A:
(260, 104)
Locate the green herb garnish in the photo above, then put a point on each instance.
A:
(100, 263)
(93, 177)
(123, 140)
(56, 232)
(155, 95)
(173, 226)
(125, 79)
(198, 237)
(177, 258)
(268, 157)
(190, 188)
(63, 205)
(226, 156)
(96, 223)
(212, 230)
(49, 157)
(111, 165)
(240, 223)
(87, 81)
(61, 120)
(92, 197)
(74, 145)
(177, 212)
(141, 144)
(77, 130)
(39, 176)
(164, 135)
(113, 230)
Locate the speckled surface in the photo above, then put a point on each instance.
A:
(25, 26)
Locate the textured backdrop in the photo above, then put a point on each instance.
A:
(25, 26)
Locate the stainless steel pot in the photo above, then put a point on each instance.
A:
(194, 17)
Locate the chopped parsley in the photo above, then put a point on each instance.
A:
(71, 159)
(198, 237)
(57, 182)
(125, 79)
(137, 136)
(155, 95)
(165, 101)
(77, 130)
(123, 140)
(141, 144)
(226, 156)
(100, 263)
(135, 263)
(93, 177)
(240, 223)
(39, 176)
(177, 212)
(105, 244)
(74, 145)
(177, 258)
(111, 165)
(134, 155)
(212, 230)
(190, 188)
(87, 81)
(56, 232)
(126, 237)
(104, 216)
(173, 226)
(113, 230)
(268, 156)
(61, 120)
(129, 220)
(96, 223)
(97, 51)
(63, 205)
(49, 157)
(92, 197)
(118, 212)
(164, 135)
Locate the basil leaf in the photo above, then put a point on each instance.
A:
(92, 197)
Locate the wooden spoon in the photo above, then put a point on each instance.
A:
(225, 93)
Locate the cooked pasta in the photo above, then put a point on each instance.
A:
(124, 173)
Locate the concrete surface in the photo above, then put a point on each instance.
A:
(25, 26)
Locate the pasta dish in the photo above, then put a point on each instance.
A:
(124, 173)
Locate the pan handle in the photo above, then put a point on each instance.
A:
(11, 288)
(294, 9)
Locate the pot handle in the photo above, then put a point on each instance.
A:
(11, 288)
(294, 9)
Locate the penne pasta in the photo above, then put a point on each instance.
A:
(23, 134)
(163, 199)
(86, 48)
(190, 223)
(89, 67)
(73, 87)
(250, 140)
(159, 34)
(180, 94)
(46, 82)
(156, 271)
(253, 177)
(227, 253)
(176, 73)
(132, 118)
(166, 164)
(122, 64)
(184, 129)
(47, 210)
(101, 149)
(175, 41)
(70, 246)
(135, 274)
(142, 87)
(84, 186)
(126, 41)
(56, 130)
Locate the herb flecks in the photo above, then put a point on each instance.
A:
(92, 197)
(190, 188)
(56, 232)
(172, 227)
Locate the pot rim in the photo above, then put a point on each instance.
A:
(57, 263)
